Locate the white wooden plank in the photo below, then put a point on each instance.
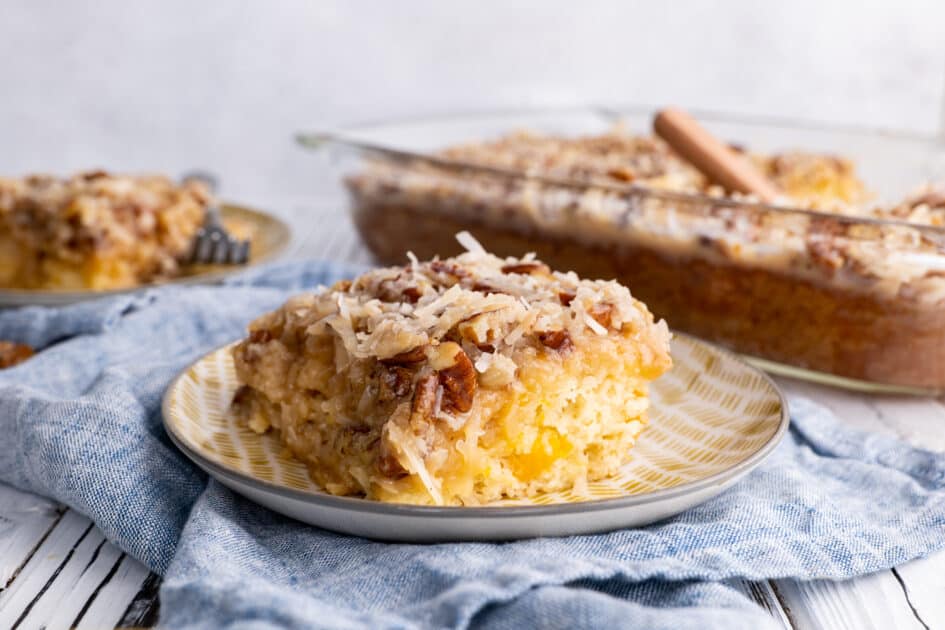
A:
(75, 582)
(763, 594)
(42, 566)
(872, 602)
(917, 420)
(24, 520)
(854, 408)
(115, 596)
(924, 583)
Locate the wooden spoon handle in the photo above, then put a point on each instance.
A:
(713, 158)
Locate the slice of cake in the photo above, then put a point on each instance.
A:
(455, 382)
(95, 230)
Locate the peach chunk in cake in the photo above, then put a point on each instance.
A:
(455, 382)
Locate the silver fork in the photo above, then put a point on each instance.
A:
(212, 243)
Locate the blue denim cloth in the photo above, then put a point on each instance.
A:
(81, 423)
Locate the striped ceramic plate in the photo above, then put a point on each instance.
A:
(713, 419)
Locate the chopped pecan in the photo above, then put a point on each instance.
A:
(459, 383)
(566, 297)
(408, 357)
(486, 347)
(12, 353)
(448, 268)
(387, 463)
(424, 397)
(260, 336)
(558, 340)
(342, 285)
(387, 292)
(622, 173)
(825, 254)
(526, 267)
(602, 314)
(485, 287)
(393, 382)
(241, 396)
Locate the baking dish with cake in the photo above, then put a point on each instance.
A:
(842, 275)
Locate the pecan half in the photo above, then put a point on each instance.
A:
(558, 340)
(393, 382)
(526, 267)
(408, 357)
(459, 383)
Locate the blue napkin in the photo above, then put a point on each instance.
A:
(81, 423)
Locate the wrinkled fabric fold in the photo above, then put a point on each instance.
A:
(81, 424)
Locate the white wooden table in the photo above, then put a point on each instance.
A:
(58, 571)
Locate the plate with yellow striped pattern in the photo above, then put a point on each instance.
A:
(713, 419)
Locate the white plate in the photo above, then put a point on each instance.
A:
(270, 237)
(714, 418)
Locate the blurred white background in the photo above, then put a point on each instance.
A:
(174, 84)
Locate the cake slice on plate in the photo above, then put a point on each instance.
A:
(455, 382)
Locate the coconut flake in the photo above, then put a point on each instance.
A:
(469, 242)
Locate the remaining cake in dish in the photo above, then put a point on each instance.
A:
(95, 230)
(828, 281)
(455, 382)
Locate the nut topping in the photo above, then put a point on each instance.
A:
(558, 340)
(424, 398)
(260, 336)
(526, 267)
(602, 314)
(387, 463)
(459, 384)
(393, 382)
(12, 353)
(409, 357)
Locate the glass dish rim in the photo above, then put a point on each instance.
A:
(319, 140)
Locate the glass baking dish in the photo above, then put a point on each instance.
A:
(853, 301)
